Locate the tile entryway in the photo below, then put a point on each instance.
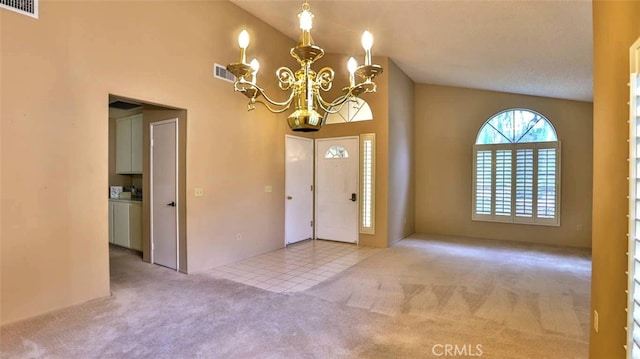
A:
(296, 268)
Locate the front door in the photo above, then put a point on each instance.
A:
(337, 164)
(164, 197)
(298, 203)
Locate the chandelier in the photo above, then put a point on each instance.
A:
(304, 85)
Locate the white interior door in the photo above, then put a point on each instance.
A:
(337, 164)
(298, 189)
(164, 197)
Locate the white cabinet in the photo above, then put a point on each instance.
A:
(129, 145)
(136, 144)
(110, 222)
(125, 223)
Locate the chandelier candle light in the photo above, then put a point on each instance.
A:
(305, 84)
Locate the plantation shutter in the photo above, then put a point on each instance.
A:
(547, 174)
(524, 183)
(483, 183)
(546, 183)
(517, 183)
(502, 205)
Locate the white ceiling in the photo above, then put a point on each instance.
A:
(532, 47)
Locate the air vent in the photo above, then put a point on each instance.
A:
(121, 105)
(221, 72)
(25, 7)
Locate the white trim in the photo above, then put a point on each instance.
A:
(633, 253)
(177, 200)
(363, 139)
(151, 250)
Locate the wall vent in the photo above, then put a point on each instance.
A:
(25, 7)
(221, 72)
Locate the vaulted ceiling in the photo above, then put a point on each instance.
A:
(532, 47)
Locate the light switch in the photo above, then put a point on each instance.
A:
(268, 189)
(199, 192)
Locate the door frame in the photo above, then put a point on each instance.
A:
(315, 192)
(313, 184)
(151, 200)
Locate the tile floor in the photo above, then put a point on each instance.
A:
(296, 268)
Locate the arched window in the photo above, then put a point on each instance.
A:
(336, 151)
(516, 170)
(354, 110)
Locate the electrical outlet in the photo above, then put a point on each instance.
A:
(595, 320)
(199, 192)
(268, 189)
(238, 237)
(579, 228)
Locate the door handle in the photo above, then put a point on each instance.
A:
(172, 204)
(289, 198)
(353, 197)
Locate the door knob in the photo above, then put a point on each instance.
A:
(353, 197)
(289, 198)
(172, 204)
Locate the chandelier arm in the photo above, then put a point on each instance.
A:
(286, 104)
(371, 88)
(237, 88)
(286, 78)
(334, 106)
(272, 109)
(324, 78)
(332, 110)
(243, 85)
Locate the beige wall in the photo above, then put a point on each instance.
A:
(54, 158)
(447, 123)
(616, 26)
(401, 201)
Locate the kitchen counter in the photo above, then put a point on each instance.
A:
(132, 200)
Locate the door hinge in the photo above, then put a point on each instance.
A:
(311, 223)
(312, 188)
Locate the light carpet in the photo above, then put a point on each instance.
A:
(425, 297)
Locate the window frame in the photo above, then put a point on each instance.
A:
(370, 227)
(632, 345)
(514, 147)
(536, 113)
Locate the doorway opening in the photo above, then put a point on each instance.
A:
(130, 188)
